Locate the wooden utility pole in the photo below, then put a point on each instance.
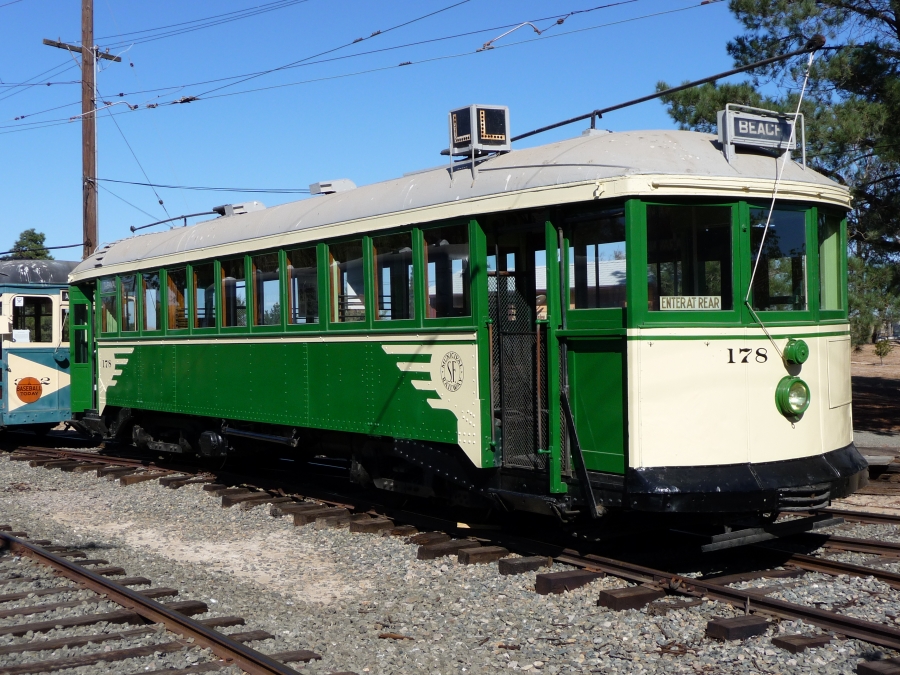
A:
(89, 54)
(88, 129)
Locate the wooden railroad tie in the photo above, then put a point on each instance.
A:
(444, 548)
(522, 565)
(559, 582)
(481, 555)
(798, 643)
(633, 597)
(737, 628)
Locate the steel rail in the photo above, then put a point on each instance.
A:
(863, 516)
(230, 652)
(878, 634)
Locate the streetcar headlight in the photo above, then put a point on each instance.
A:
(792, 396)
(796, 351)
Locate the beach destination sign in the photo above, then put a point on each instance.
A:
(765, 129)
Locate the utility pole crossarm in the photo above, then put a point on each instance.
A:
(77, 49)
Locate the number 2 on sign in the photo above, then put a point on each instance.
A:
(760, 356)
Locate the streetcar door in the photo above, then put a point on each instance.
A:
(81, 337)
(517, 302)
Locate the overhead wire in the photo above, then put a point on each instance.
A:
(18, 89)
(210, 22)
(122, 199)
(418, 43)
(190, 99)
(134, 154)
(343, 46)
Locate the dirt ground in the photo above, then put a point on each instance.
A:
(876, 390)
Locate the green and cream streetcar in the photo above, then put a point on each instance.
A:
(503, 333)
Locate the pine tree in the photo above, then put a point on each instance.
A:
(29, 246)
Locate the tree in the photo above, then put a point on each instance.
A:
(872, 300)
(883, 348)
(29, 246)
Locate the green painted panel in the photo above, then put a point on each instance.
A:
(597, 384)
(82, 382)
(346, 386)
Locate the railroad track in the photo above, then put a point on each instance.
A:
(137, 607)
(447, 540)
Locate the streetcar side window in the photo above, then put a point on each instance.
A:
(204, 296)
(830, 261)
(780, 281)
(109, 306)
(393, 277)
(447, 271)
(80, 351)
(176, 308)
(266, 290)
(689, 253)
(150, 298)
(596, 259)
(234, 293)
(303, 286)
(345, 263)
(34, 315)
(129, 317)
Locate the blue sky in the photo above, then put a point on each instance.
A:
(338, 124)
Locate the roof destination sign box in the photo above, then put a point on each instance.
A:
(765, 129)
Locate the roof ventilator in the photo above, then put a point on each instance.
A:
(329, 187)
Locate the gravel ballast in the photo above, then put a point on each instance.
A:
(335, 593)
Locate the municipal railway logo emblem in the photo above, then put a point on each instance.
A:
(452, 371)
(29, 389)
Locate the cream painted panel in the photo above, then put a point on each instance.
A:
(109, 369)
(693, 403)
(839, 372)
(452, 371)
(20, 368)
(773, 437)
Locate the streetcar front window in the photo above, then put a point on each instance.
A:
(780, 281)
(689, 254)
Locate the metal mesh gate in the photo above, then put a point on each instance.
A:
(519, 379)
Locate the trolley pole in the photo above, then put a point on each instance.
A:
(89, 55)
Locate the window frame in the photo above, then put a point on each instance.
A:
(833, 315)
(99, 307)
(781, 317)
(191, 290)
(325, 275)
(637, 260)
(220, 321)
(321, 253)
(55, 330)
(137, 318)
(422, 281)
(162, 290)
(164, 284)
(251, 296)
(417, 262)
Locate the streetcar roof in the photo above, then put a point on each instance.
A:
(663, 163)
(35, 272)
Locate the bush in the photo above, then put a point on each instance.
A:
(883, 348)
